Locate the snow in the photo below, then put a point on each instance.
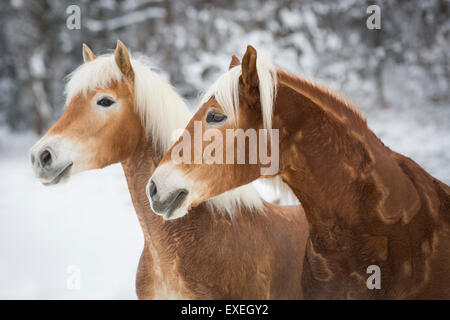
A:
(37, 65)
(421, 135)
(90, 223)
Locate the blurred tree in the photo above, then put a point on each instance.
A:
(406, 62)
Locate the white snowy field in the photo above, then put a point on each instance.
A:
(90, 223)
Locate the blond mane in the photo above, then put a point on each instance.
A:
(226, 91)
(226, 88)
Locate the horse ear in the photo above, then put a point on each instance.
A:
(234, 62)
(122, 58)
(249, 71)
(88, 55)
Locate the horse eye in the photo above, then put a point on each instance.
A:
(215, 117)
(105, 102)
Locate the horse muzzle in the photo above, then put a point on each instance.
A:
(165, 204)
(50, 167)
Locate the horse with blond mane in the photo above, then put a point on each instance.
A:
(368, 207)
(235, 246)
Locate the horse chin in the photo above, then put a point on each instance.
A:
(176, 214)
(61, 178)
(180, 211)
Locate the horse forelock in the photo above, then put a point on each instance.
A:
(226, 89)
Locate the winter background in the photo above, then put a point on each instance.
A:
(397, 76)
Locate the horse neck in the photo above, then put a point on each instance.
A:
(138, 168)
(332, 158)
(349, 183)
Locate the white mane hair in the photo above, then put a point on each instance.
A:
(226, 91)
(226, 88)
(162, 113)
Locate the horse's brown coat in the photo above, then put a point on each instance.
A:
(381, 207)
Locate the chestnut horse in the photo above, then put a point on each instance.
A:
(235, 246)
(371, 211)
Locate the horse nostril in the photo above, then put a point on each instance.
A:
(153, 190)
(45, 158)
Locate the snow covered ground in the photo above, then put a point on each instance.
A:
(90, 223)
(46, 233)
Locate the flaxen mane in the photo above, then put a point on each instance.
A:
(226, 89)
